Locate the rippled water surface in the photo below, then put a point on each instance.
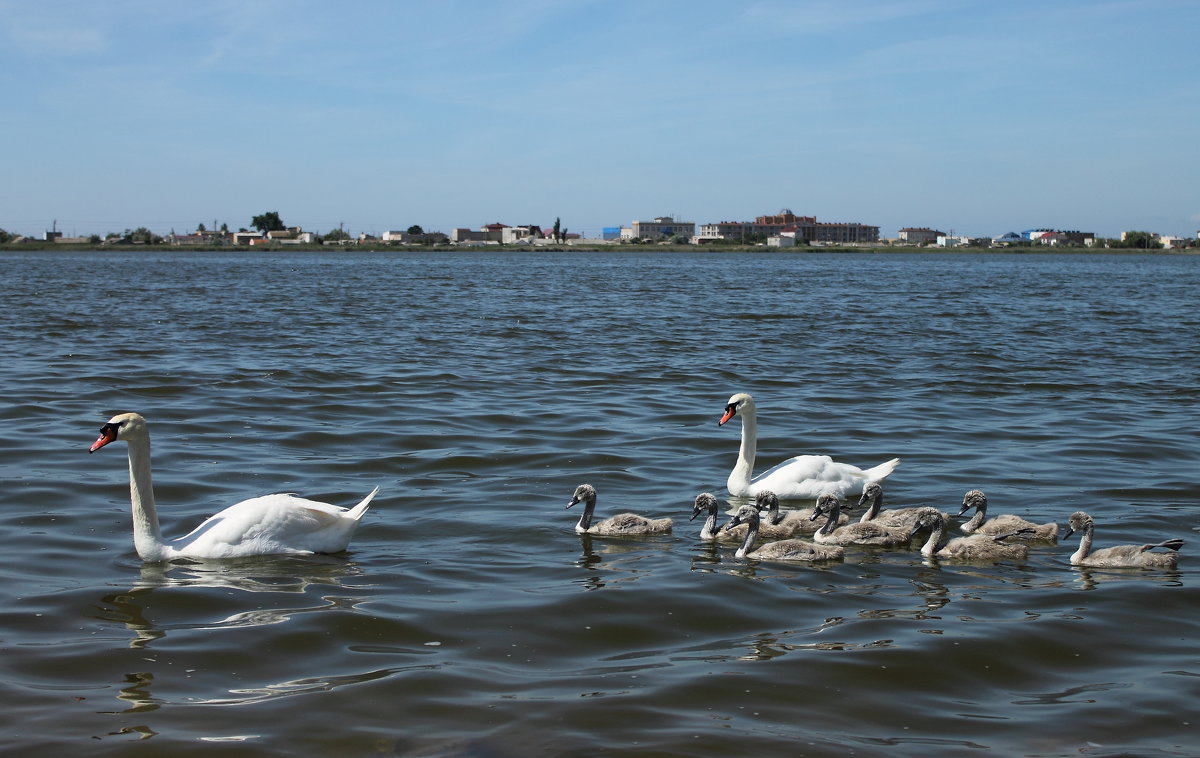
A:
(478, 389)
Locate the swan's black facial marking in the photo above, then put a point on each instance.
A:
(108, 433)
(730, 412)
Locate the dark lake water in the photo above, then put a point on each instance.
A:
(477, 389)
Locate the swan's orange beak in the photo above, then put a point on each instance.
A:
(108, 433)
(729, 411)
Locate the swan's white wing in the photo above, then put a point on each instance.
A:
(269, 524)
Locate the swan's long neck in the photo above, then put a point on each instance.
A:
(709, 532)
(935, 537)
(976, 520)
(147, 536)
(873, 510)
(739, 478)
(751, 536)
(1085, 543)
(835, 512)
(585, 518)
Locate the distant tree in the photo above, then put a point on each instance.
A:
(557, 231)
(143, 236)
(336, 235)
(5, 237)
(200, 228)
(94, 239)
(268, 222)
(1140, 240)
(224, 228)
(416, 230)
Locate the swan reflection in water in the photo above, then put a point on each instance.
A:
(613, 562)
(134, 608)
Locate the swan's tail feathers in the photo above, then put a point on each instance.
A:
(357, 511)
(882, 470)
(1169, 544)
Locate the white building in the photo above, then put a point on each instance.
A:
(660, 228)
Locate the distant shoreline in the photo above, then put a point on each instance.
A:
(39, 245)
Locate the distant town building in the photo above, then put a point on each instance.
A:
(783, 239)
(660, 228)
(489, 233)
(293, 235)
(805, 228)
(920, 235)
(1056, 237)
(246, 238)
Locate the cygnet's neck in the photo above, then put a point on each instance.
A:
(1085, 542)
(873, 509)
(751, 536)
(835, 512)
(585, 518)
(935, 537)
(976, 520)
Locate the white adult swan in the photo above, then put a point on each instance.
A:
(802, 477)
(267, 525)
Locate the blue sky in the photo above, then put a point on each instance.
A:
(974, 116)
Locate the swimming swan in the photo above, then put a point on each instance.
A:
(267, 525)
(768, 529)
(1005, 523)
(1121, 556)
(797, 520)
(802, 477)
(706, 503)
(782, 550)
(860, 533)
(905, 517)
(621, 524)
(975, 547)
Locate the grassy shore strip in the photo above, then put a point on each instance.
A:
(27, 245)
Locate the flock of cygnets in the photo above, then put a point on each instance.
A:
(807, 476)
(1000, 538)
(286, 524)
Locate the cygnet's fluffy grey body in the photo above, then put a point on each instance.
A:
(859, 533)
(780, 550)
(974, 547)
(873, 497)
(621, 525)
(1005, 523)
(1119, 556)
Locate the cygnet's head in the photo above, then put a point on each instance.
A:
(826, 503)
(974, 499)
(1078, 522)
(927, 518)
(766, 500)
(746, 514)
(870, 492)
(584, 493)
(706, 502)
